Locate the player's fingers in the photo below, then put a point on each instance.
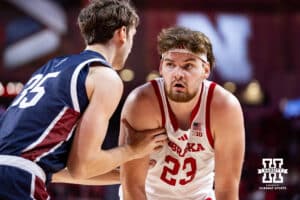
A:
(153, 132)
(161, 137)
(158, 148)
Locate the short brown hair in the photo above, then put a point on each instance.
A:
(99, 20)
(181, 37)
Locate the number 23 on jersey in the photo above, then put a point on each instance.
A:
(171, 171)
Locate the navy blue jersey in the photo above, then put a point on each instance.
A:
(40, 122)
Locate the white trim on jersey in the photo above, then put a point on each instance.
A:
(24, 164)
(46, 132)
(73, 89)
(32, 187)
(56, 146)
(160, 83)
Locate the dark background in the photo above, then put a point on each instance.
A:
(273, 48)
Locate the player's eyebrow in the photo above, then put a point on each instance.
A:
(190, 59)
(168, 60)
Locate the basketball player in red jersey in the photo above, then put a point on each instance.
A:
(203, 158)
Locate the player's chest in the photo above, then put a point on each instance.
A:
(190, 142)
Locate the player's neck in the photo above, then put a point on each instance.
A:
(183, 105)
(183, 111)
(108, 52)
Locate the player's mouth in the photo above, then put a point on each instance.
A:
(179, 87)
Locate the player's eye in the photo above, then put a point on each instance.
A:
(170, 64)
(188, 66)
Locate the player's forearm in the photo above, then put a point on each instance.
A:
(133, 176)
(110, 159)
(101, 162)
(109, 178)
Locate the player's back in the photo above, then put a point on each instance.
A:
(40, 122)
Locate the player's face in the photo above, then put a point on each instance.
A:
(183, 74)
(124, 51)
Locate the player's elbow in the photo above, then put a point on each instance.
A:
(77, 168)
(78, 172)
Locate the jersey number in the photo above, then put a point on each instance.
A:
(189, 165)
(34, 86)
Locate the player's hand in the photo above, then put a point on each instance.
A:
(144, 142)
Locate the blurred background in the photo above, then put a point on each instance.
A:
(257, 49)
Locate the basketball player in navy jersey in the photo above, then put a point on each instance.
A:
(61, 116)
(203, 157)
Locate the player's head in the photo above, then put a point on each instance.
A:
(102, 20)
(186, 60)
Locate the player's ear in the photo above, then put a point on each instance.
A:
(121, 34)
(206, 67)
(160, 66)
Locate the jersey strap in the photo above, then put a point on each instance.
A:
(157, 92)
(73, 87)
(207, 113)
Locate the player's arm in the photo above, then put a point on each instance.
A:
(229, 143)
(86, 158)
(139, 110)
(109, 178)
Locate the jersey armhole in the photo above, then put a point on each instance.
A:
(156, 90)
(207, 113)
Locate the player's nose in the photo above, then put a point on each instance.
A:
(178, 72)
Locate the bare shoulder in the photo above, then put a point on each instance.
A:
(225, 107)
(103, 78)
(142, 95)
(223, 100)
(142, 106)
